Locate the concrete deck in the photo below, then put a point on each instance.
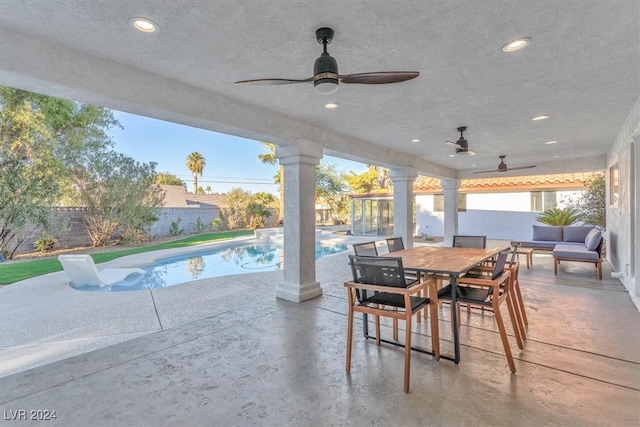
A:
(225, 351)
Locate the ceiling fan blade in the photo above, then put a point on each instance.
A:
(521, 167)
(378, 78)
(495, 170)
(452, 143)
(274, 81)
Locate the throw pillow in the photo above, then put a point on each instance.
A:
(593, 240)
(576, 233)
(548, 233)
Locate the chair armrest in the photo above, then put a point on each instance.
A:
(485, 283)
(410, 290)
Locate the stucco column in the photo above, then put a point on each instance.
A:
(299, 161)
(450, 188)
(403, 214)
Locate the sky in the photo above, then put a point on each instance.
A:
(231, 161)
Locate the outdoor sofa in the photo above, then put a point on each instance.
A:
(568, 243)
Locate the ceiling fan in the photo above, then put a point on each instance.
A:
(462, 145)
(325, 72)
(502, 167)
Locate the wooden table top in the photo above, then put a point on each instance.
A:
(443, 260)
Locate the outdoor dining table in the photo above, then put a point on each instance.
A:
(445, 261)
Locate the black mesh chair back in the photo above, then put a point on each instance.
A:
(367, 249)
(395, 244)
(460, 241)
(498, 269)
(380, 271)
(514, 254)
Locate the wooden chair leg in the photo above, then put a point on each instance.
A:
(555, 266)
(377, 320)
(407, 352)
(395, 325)
(349, 333)
(503, 336)
(521, 302)
(599, 267)
(435, 331)
(514, 320)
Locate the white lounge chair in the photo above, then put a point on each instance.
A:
(83, 271)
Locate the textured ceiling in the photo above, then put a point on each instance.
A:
(582, 67)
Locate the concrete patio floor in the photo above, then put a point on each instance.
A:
(225, 351)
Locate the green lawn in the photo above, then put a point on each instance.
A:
(11, 272)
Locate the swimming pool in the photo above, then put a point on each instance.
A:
(224, 261)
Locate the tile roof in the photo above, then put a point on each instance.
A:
(177, 197)
(512, 183)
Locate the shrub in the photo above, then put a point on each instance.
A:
(558, 216)
(175, 229)
(45, 243)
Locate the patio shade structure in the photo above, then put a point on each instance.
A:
(580, 68)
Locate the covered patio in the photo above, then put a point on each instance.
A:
(270, 361)
(256, 360)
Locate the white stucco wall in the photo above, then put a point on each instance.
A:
(622, 219)
(494, 223)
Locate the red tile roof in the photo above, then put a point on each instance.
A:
(567, 181)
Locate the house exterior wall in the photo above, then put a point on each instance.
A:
(504, 216)
(622, 218)
(502, 225)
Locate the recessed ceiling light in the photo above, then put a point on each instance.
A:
(474, 165)
(415, 140)
(143, 24)
(551, 142)
(331, 106)
(516, 45)
(536, 118)
(556, 157)
(452, 155)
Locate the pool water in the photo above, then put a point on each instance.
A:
(250, 258)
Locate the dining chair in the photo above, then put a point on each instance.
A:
(490, 291)
(513, 265)
(366, 249)
(395, 244)
(464, 241)
(379, 288)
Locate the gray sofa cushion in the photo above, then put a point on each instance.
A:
(547, 233)
(593, 240)
(576, 233)
(575, 252)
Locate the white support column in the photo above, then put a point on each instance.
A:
(299, 161)
(450, 187)
(403, 215)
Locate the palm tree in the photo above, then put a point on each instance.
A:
(271, 159)
(195, 163)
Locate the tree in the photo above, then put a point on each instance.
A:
(120, 196)
(41, 139)
(271, 159)
(375, 178)
(196, 164)
(591, 205)
(166, 178)
(331, 188)
(241, 209)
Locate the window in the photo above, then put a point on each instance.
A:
(438, 202)
(614, 183)
(543, 200)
